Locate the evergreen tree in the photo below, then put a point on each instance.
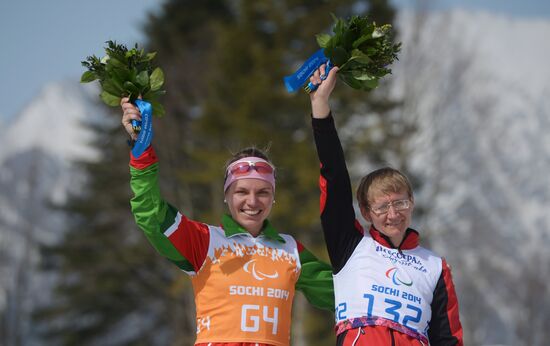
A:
(113, 287)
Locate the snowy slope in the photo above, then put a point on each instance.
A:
(477, 85)
(485, 97)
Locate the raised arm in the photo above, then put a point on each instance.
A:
(342, 231)
(182, 241)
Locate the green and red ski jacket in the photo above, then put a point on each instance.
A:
(243, 285)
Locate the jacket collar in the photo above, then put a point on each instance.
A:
(410, 241)
(232, 228)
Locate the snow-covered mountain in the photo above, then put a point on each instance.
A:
(54, 123)
(40, 146)
(477, 86)
(36, 168)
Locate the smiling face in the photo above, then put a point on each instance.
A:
(393, 223)
(249, 202)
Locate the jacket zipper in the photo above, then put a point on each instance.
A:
(392, 246)
(391, 337)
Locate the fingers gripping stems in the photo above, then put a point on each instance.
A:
(310, 87)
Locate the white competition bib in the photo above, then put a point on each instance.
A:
(380, 282)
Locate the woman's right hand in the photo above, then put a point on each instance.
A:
(129, 112)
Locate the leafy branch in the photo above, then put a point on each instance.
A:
(362, 51)
(124, 72)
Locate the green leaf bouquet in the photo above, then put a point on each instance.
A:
(361, 49)
(124, 72)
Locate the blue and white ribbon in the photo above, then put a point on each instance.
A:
(146, 134)
(300, 77)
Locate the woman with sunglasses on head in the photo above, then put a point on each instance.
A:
(244, 273)
(388, 289)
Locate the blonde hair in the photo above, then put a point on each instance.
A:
(382, 181)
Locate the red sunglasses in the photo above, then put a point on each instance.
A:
(243, 168)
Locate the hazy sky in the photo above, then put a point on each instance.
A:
(45, 41)
(520, 8)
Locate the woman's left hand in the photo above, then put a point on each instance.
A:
(319, 98)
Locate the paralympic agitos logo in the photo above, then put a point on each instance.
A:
(250, 267)
(397, 277)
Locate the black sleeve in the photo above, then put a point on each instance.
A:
(342, 232)
(444, 327)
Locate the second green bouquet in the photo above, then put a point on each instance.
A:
(362, 50)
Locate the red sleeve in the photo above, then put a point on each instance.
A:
(145, 160)
(445, 328)
(300, 246)
(191, 239)
(452, 304)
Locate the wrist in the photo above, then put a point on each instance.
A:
(320, 109)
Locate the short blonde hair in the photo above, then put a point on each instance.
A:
(382, 181)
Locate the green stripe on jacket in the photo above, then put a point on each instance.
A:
(153, 215)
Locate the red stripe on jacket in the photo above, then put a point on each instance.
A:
(191, 239)
(323, 188)
(452, 304)
(145, 160)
